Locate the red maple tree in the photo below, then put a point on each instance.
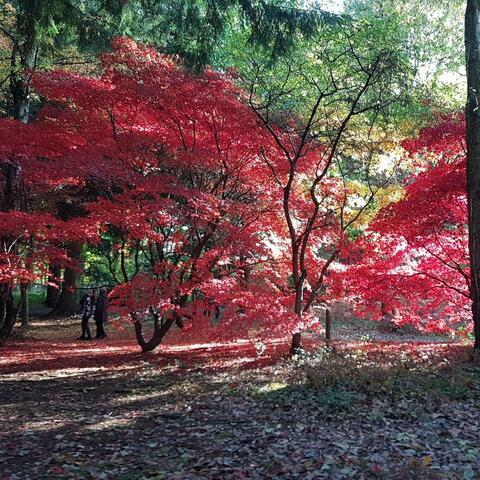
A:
(170, 163)
(415, 265)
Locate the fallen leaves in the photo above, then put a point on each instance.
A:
(163, 420)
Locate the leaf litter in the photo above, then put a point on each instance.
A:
(357, 411)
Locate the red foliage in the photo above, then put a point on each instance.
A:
(169, 162)
(190, 184)
(415, 260)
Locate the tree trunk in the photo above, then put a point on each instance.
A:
(11, 199)
(472, 56)
(68, 302)
(23, 61)
(160, 329)
(24, 305)
(23, 58)
(20, 85)
(328, 325)
(53, 292)
(296, 345)
(8, 312)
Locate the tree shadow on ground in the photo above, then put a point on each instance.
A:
(41, 356)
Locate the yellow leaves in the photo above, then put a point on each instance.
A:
(416, 463)
(389, 194)
(273, 386)
(427, 460)
(360, 193)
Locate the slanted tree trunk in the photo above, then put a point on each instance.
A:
(472, 56)
(68, 302)
(161, 326)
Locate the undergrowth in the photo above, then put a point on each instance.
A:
(337, 380)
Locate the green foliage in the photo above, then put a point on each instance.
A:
(423, 48)
(433, 30)
(55, 33)
(112, 261)
(36, 298)
(328, 401)
(196, 29)
(340, 53)
(394, 376)
(354, 233)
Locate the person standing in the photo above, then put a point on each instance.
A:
(88, 306)
(100, 314)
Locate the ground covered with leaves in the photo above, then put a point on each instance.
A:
(359, 410)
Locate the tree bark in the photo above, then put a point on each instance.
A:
(68, 302)
(24, 305)
(23, 59)
(328, 325)
(11, 199)
(53, 293)
(8, 312)
(296, 345)
(160, 329)
(472, 57)
(20, 82)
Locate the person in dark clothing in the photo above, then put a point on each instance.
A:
(100, 314)
(88, 306)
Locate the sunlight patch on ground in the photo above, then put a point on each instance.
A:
(109, 423)
(132, 398)
(42, 425)
(273, 387)
(217, 345)
(64, 372)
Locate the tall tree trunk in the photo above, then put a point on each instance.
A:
(53, 292)
(24, 305)
(10, 199)
(8, 312)
(23, 60)
(68, 300)
(20, 80)
(328, 325)
(472, 56)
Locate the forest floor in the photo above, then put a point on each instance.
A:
(373, 405)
